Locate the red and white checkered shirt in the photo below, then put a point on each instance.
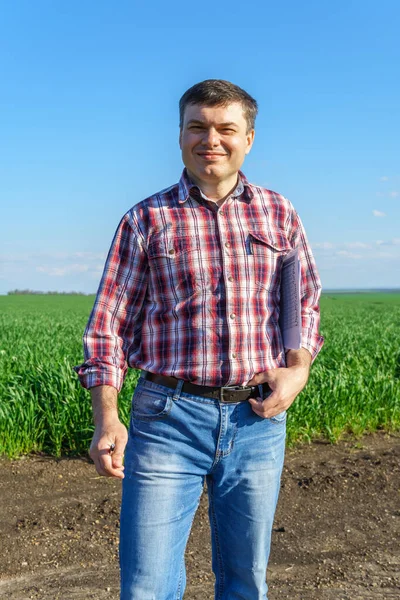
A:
(191, 289)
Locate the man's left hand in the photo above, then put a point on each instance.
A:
(286, 383)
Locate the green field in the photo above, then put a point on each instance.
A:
(354, 385)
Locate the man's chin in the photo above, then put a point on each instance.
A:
(212, 172)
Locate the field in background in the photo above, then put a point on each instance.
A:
(354, 385)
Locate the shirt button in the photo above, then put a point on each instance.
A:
(227, 244)
(172, 251)
(234, 355)
(233, 316)
(221, 212)
(230, 278)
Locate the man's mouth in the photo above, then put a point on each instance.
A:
(210, 155)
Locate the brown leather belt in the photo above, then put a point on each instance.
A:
(235, 393)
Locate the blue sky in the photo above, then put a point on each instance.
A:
(89, 125)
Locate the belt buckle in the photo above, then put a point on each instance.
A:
(233, 388)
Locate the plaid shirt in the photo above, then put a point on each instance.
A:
(191, 289)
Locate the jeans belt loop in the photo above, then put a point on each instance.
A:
(178, 390)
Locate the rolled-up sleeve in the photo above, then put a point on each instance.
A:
(110, 330)
(310, 289)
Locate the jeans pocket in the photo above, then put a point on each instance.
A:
(279, 418)
(150, 403)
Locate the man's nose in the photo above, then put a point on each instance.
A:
(211, 137)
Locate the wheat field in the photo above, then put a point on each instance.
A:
(354, 386)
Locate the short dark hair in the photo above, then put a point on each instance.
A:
(218, 92)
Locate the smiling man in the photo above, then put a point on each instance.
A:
(190, 295)
(214, 141)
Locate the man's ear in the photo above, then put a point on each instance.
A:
(180, 138)
(250, 140)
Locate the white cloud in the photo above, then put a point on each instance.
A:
(392, 242)
(378, 213)
(90, 255)
(8, 258)
(323, 245)
(384, 178)
(394, 194)
(20, 266)
(357, 245)
(348, 254)
(386, 251)
(26, 256)
(62, 271)
(357, 250)
(384, 255)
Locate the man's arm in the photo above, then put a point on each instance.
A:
(301, 359)
(310, 287)
(108, 337)
(108, 430)
(287, 383)
(110, 330)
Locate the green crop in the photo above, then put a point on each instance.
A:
(354, 385)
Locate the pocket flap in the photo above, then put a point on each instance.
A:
(275, 238)
(171, 246)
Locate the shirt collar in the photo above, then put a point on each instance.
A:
(188, 188)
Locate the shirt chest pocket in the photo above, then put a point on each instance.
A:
(267, 249)
(174, 262)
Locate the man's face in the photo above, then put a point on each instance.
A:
(214, 141)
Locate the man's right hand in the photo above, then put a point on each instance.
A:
(109, 463)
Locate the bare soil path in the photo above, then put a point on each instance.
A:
(336, 534)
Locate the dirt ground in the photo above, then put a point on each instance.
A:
(336, 533)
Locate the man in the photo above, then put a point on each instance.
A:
(190, 295)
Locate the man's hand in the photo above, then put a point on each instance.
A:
(109, 463)
(108, 430)
(286, 383)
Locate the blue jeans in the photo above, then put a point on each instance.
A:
(176, 442)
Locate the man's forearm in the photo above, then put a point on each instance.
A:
(104, 403)
(285, 384)
(298, 358)
(110, 435)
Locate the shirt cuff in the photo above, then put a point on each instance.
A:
(312, 343)
(93, 373)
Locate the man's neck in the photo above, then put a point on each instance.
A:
(217, 192)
